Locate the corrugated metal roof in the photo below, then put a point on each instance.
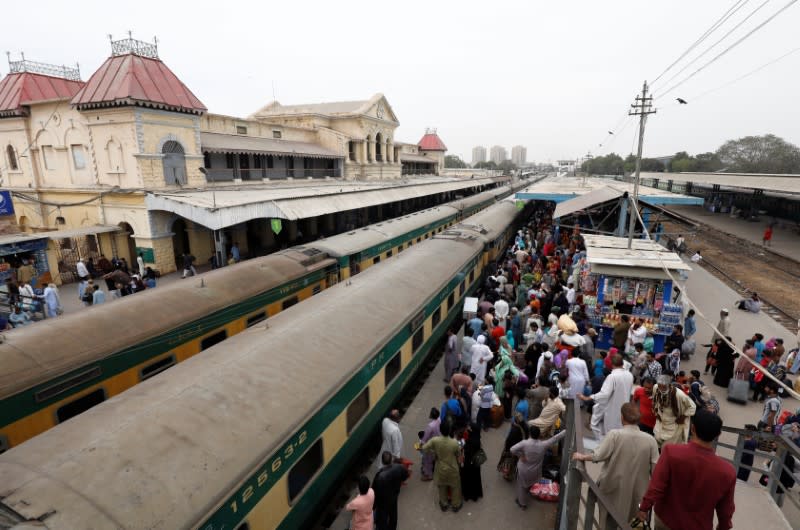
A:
(598, 196)
(431, 142)
(25, 88)
(561, 189)
(232, 143)
(408, 157)
(57, 234)
(767, 182)
(613, 251)
(227, 207)
(135, 80)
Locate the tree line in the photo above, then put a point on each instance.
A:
(751, 154)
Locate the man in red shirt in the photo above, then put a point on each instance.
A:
(690, 482)
(644, 397)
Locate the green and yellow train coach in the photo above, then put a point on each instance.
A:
(258, 430)
(58, 369)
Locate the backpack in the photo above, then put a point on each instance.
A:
(553, 377)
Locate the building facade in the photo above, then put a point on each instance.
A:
(519, 155)
(94, 156)
(498, 154)
(478, 154)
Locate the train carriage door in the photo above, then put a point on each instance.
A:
(355, 264)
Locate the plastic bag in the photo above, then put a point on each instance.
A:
(545, 490)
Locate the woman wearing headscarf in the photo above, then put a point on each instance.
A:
(743, 367)
(507, 466)
(725, 358)
(471, 483)
(431, 430)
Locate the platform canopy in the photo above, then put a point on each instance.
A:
(582, 193)
(218, 208)
(754, 181)
(10, 239)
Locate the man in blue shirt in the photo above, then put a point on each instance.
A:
(689, 326)
(235, 252)
(450, 406)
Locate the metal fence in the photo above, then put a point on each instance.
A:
(580, 500)
(72, 249)
(259, 174)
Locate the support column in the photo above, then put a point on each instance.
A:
(389, 153)
(372, 151)
(623, 217)
(365, 152)
(219, 248)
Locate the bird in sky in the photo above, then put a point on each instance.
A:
(681, 101)
(610, 132)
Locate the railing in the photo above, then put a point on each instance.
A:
(781, 446)
(228, 175)
(580, 497)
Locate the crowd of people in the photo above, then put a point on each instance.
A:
(529, 349)
(27, 304)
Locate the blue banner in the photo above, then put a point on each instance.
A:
(6, 206)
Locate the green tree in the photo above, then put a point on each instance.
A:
(485, 165)
(507, 166)
(454, 161)
(708, 162)
(760, 154)
(629, 165)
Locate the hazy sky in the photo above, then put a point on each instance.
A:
(552, 76)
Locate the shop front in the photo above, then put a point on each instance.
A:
(636, 282)
(25, 260)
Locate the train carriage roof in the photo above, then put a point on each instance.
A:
(34, 354)
(161, 454)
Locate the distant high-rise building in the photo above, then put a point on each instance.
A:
(519, 155)
(498, 154)
(478, 154)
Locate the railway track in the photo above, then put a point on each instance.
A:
(745, 266)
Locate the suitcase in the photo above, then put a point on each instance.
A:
(738, 390)
(497, 416)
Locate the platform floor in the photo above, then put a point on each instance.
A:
(785, 238)
(418, 504)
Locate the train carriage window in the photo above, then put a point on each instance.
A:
(289, 302)
(304, 470)
(157, 367)
(316, 290)
(417, 340)
(82, 404)
(252, 320)
(211, 340)
(461, 288)
(357, 409)
(471, 276)
(419, 239)
(436, 317)
(376, 260)
(451, 300)
(3, 444)
(391, 370)
(389, 254)
(243, 526)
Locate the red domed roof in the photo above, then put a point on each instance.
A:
(20, 89)
(132, 79)
(431, 142)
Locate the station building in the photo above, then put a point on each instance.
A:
(130, 161)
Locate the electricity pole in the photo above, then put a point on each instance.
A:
(642, 107)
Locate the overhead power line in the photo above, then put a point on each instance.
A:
(704, 52)
(720, 21)
(729, 48)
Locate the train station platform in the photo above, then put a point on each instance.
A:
(785, 236)
(418, 504)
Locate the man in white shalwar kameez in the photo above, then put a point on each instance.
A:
(481, 354)
(616, 390)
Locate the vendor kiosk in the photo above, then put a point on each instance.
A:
(618, 281)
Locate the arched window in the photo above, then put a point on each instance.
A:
(174, 163)
(114, 152)
(12, 159)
